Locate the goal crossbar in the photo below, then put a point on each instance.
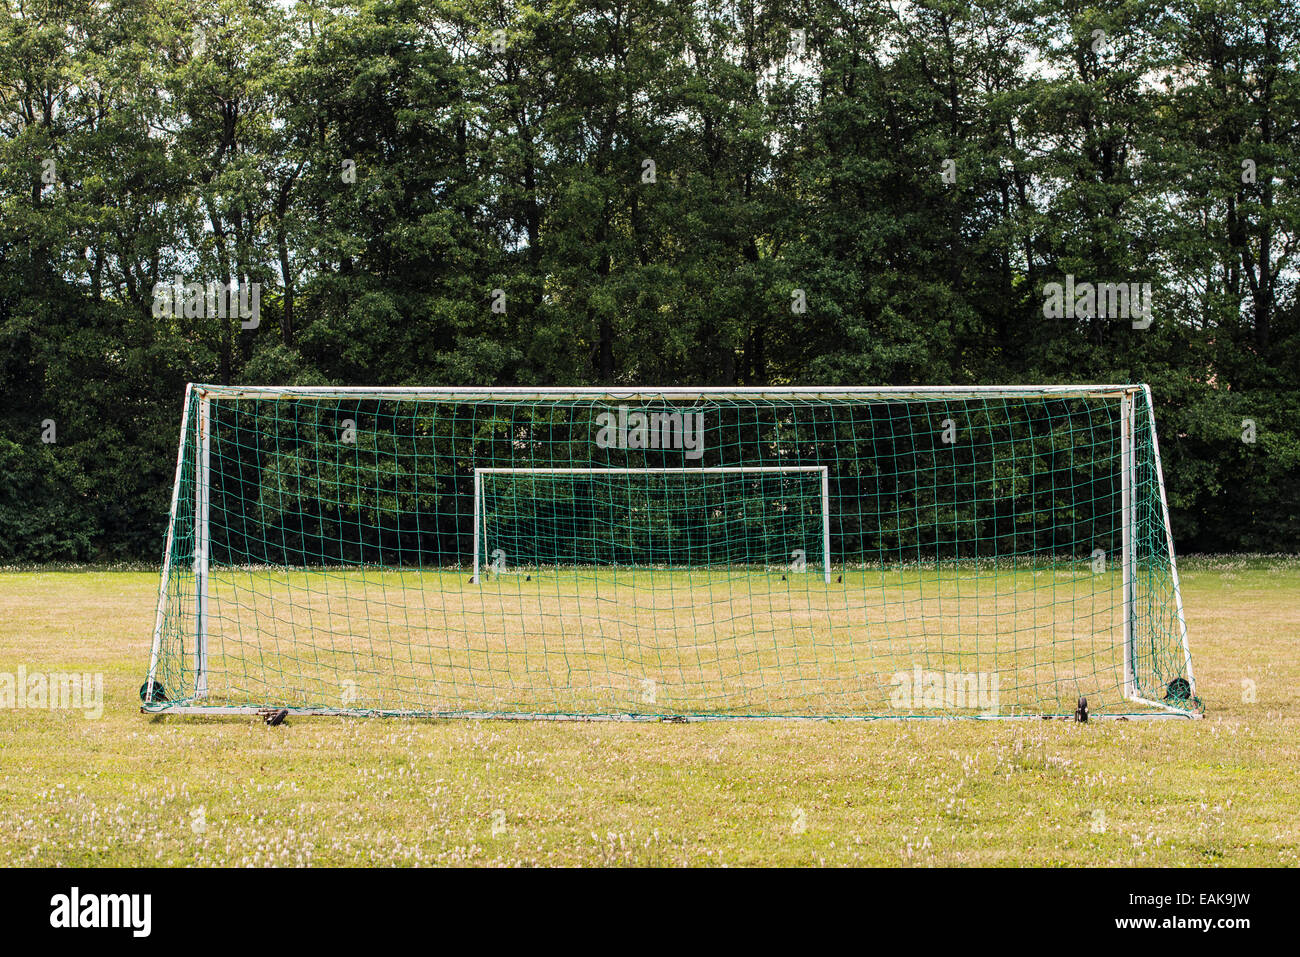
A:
(671, 393)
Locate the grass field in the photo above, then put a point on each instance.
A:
(125, 789)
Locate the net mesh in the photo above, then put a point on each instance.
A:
(851, 556)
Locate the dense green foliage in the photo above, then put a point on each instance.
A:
(426, 200)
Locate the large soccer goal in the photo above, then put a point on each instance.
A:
(670, 553)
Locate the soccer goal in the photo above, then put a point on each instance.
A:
(763, 506)
(670, 553)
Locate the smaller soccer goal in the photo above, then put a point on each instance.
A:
(753, 517)
(670, 553)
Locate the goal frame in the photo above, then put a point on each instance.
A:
(1125, 395)
(822, 470)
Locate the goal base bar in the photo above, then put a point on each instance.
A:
(251, 711)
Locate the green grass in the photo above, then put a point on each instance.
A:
(130, 790)
(699, 642)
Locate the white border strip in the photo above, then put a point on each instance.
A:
(202, 547)
(615, 393)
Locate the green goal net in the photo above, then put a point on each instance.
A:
(670, 553)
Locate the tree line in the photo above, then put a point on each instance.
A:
(478, 192)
